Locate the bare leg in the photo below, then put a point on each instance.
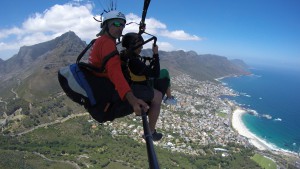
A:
(154, 110)
(168, 92)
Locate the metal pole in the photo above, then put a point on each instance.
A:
(153, 163)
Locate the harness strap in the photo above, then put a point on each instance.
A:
(90, 67)
(84, 50)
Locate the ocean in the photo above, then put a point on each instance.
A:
(274, 94)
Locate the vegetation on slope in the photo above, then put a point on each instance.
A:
(79, 141)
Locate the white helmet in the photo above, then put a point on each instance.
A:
(112, 15)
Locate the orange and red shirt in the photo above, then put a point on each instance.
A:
(102, 47)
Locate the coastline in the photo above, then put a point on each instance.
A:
(238, 125)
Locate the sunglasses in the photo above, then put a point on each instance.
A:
(118, 24)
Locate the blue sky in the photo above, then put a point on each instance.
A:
(257, 31)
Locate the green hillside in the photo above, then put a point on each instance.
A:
(89, 145)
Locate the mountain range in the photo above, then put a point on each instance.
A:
(201, 67)
(31, 98)
(31, 74)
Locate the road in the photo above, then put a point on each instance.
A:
(51, 123)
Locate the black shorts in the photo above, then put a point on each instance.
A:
(161, 85)
(146, 93)
(109, 104)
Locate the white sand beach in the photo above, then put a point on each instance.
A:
(260, 144)
(238, 124)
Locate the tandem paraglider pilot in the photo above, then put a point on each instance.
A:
(115, 97)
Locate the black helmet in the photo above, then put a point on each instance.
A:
(130, 39)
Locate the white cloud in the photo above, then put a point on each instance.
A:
(166, 46)
(154, 26)
(157, 28)
(59, 19)
(6, 32)
(38, 37)
(62, 18)
(52, 23)
(179, 35)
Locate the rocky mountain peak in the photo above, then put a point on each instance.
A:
(65, 45)
(67, 39)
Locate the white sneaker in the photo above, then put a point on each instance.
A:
(170, 101)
